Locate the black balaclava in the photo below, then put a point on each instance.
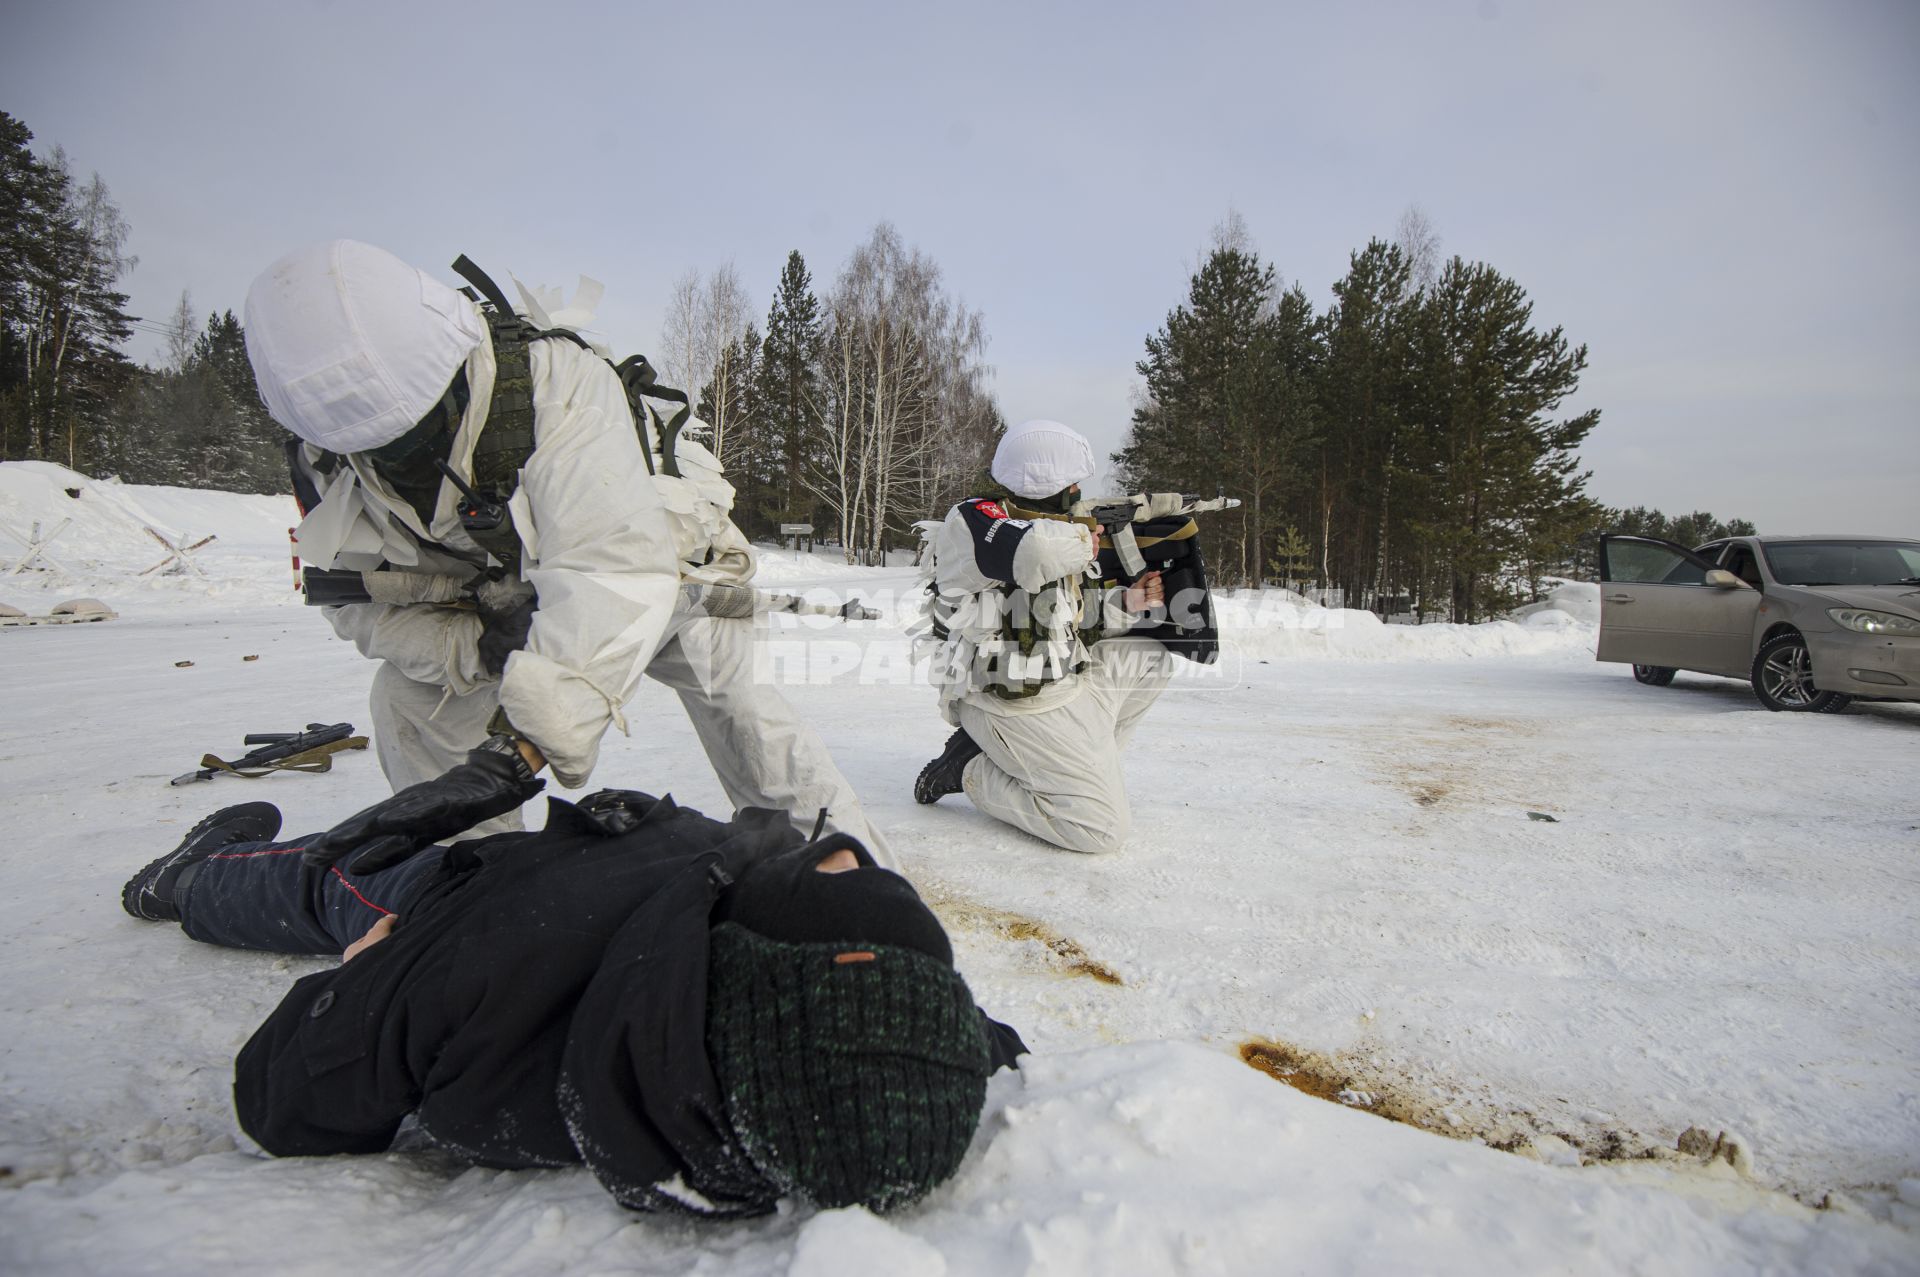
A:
(411, 462)
(786, 898)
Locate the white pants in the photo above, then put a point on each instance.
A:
(1056, 772)
(761, 751)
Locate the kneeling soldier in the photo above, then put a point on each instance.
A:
(1032, 671)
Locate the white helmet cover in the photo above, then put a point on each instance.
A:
(351, 346)
(1040, 458)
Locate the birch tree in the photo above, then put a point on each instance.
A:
(906, 418)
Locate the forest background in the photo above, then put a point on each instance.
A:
(1400, 443)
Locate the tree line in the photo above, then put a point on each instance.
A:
(860, 412)
(67, 392)
(1402, 444)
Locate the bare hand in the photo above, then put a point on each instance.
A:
(375, 934)
(1145, 594)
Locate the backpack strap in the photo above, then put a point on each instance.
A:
(642, 383)
(463, 267)
(506, 440)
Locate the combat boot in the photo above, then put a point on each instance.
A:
(943, 775)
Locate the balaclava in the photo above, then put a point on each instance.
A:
(851, 1058)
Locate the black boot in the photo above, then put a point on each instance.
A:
(942, 776)
(149, 893)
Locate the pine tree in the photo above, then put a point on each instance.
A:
(1364, 391)
(61, 317)
(789, 388)
(1494, 477)
(201, 425)
(1292, 556)
(1230, 402)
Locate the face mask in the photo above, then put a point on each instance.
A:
(412, 455)
(786, 898)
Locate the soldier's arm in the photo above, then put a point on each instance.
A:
(601, 554)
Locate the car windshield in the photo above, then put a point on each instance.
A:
(1843, 562)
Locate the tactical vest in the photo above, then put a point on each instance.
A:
(507, 438)
(1032, 623)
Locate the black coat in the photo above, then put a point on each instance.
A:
(543, 1004)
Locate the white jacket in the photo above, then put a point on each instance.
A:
(599, 549)
(979, 563)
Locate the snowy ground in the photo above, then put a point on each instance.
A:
(1333, 871)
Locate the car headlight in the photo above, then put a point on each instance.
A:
(1861, 621)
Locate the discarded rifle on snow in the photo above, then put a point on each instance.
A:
(334, 587)
(308, 751)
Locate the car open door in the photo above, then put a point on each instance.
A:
(1657, 607)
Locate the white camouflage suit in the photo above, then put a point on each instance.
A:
(605, 547)
(1050, 762)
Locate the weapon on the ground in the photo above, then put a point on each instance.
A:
(308, 751)
(326, 587)
(1117, 515)
(742, 601)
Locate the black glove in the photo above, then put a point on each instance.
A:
(503, 633)
(493, 781)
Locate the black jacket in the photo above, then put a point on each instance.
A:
(543, 1004)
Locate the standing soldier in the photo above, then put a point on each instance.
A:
(1042, 693)
(439, 439)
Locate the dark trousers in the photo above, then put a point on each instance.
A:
(262, 895)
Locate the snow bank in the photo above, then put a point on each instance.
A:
(1579, 600)
(1281, 625)
(105, 549)
(105, 545)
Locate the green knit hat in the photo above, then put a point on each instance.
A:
(852, 1074)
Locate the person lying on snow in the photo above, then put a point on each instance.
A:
(710, 1016)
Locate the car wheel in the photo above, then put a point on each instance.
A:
(1654, 675)
(1783, 678)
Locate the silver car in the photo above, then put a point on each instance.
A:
(1812, 622)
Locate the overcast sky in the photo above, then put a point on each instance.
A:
(1720, 200)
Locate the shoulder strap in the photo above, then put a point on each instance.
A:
(643, 383)
(506, 440)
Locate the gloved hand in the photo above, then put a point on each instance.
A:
(502, 633)
(488, 784)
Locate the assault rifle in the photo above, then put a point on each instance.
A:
(1117, 515)
(308, 751)
(328, 587)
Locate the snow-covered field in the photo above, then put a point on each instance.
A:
(1338, 872)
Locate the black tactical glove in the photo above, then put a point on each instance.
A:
(502, 633)
(494, 780)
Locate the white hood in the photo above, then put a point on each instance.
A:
(351, 346)
(1040, 458)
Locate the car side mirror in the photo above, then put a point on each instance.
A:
(1722, 579)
